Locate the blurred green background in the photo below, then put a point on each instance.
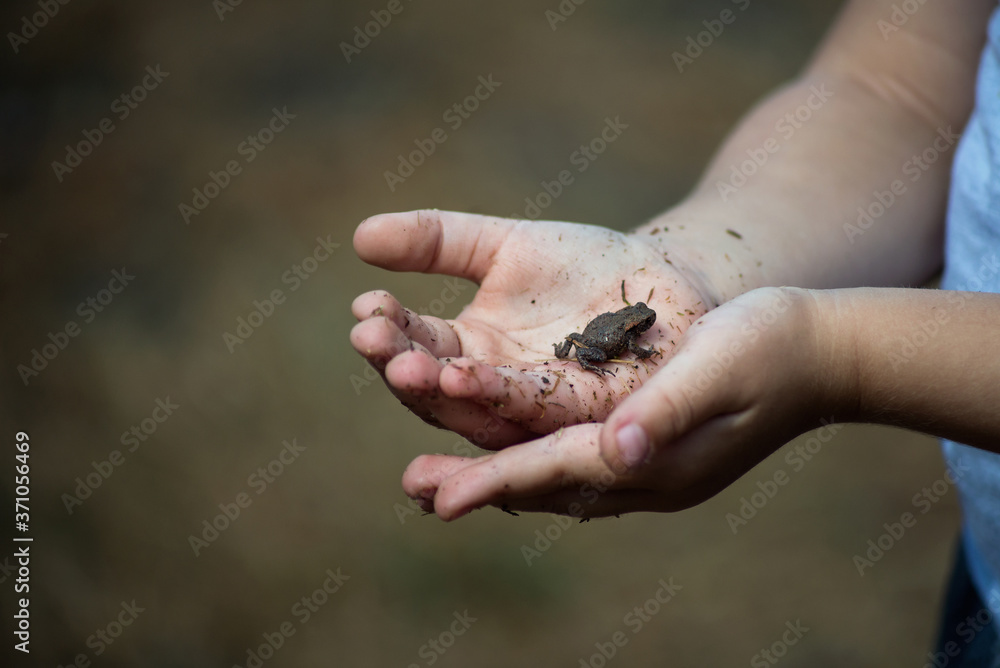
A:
(337, 505)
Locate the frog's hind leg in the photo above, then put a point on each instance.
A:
(588, 356)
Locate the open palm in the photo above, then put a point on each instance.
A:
(490, 374)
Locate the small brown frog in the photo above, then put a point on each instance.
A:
(607, 335)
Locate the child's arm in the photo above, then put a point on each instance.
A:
(879, 98)
(926, 360)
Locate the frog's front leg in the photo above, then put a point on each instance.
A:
(589, 357)
(563, 349)
(640, 352)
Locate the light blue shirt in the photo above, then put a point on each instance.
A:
(972, 263)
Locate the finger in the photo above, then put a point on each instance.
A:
(672, 403)
(483, 426)
(414, 371)
(414, 376)
(566, 459)
(378, 359)
(425, 474)
(413, 380)
(431, 241)
(411, 372)
(543, 400)
(379, 340)
(432, 333)
(587, 504)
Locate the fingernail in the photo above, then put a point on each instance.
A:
(633, 445)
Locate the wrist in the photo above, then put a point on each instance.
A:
(835, 332)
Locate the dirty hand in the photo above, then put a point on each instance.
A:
(491, 374)
(745, 379)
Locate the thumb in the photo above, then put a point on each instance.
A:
(433, 242)
(688, 391)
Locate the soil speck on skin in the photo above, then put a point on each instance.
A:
(655, 230)
(545, 380)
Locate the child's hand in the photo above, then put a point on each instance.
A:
(491, 374)
(745, 379)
